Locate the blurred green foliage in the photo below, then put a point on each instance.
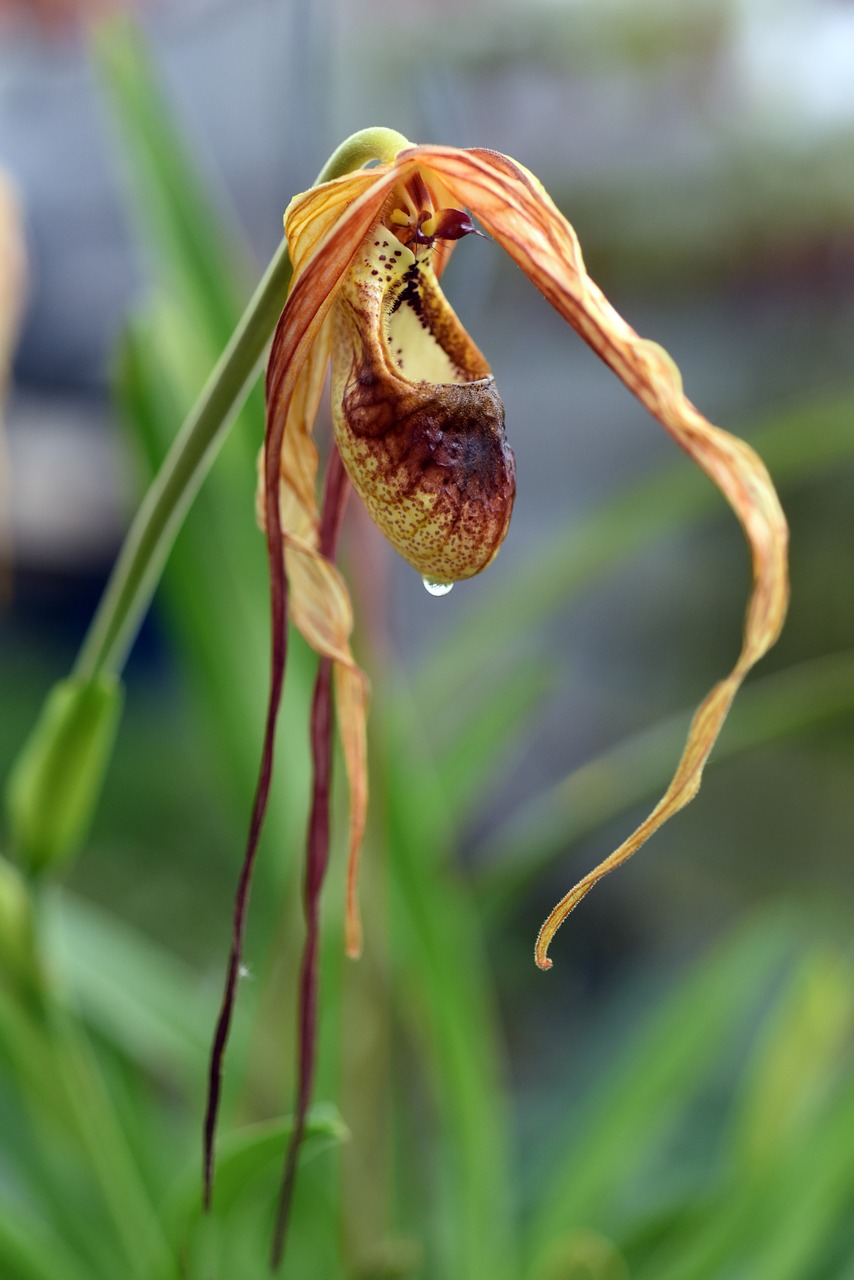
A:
(54, 788)
(712, 1139)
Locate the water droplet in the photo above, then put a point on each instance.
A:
(437, 588)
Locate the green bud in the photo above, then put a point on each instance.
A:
(55, 784)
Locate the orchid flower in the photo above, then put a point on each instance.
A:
(419, 434)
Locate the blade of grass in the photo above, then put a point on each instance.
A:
(655, 1078)
(105, 1146)
(469, 758)
(139, 996)
(811, 1198)
(796, 1116)
(800, 1051)
(63, 1084)
(30, 1251)
(251, 1150)
(193, 253)
(783, 1202)
(446, 1001)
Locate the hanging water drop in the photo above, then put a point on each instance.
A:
(437, 588)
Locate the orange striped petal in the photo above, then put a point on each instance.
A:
(513, 206)
(351, 710)
(319, 600)
(298, 460)
(320, 608)
(313, 214)
(325, 229)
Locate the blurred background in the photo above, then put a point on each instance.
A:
(703, 153)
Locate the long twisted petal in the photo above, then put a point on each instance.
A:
(513, 206)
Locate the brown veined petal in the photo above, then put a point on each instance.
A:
(319, 600)
(321, 263)
(351, 711)
(311, 296)
(513, 206)
(321, 611)
(311, 215)
(321, 243)
(299, 460)
(318, 273)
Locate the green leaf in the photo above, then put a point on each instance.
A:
(29, 1251)
(783, 1203)
(141, 998)
(644, 1093)
(808, 1198)
(483, 731)
(803, 1046)
(234, 1238)
(192, 251)
(797, 1115)
(253, 1150)
(447, 1002)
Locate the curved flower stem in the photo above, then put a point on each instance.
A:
(360, 149)
(149, 540)
(153, 531)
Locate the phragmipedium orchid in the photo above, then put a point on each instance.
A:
(419, 433)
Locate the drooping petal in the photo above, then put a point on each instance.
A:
(317, 859)
(320, 609)
(344, 211)
(513, 207)
(351, 710)
(298, 461)
(319, 601)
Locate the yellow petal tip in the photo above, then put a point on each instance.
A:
(353, 941)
